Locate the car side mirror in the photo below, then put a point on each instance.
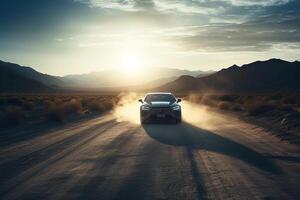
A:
(178, 100)
(140, 100)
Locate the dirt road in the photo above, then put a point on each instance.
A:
(209, 156)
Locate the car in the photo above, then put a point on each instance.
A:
(160, 106)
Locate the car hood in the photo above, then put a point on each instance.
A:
(160, 104)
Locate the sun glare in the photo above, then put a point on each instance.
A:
(131, 63)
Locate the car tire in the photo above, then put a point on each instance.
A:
(178, 121)
(143, 120)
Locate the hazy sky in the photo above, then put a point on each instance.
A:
(78, 36)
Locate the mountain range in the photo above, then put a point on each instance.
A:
(120, 78)
(273, 75)
(16, 78)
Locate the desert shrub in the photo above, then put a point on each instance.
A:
(290, 100)
(58, 101)
(47, 103)
(28, 105)
(100, 106)
(286, 108)
(2, 101)
(73, 106)
(256, 108)
(275, 97)
(298, 103)
(242, 99)
(15, 101)
(85, 101)
(56, 113)
(229, 98)
(15, 115)
(94, 106)
(108, 104)
(237, 108)
(224, 105)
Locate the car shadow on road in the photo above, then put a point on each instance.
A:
(193, 137)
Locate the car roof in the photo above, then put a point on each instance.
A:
(169, 93)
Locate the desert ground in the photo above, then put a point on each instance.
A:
(212, 154)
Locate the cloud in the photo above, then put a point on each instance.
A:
(181, 6)
(257, 2)
(186, 7)
(125, 5)
(179, 25)
(257, 35)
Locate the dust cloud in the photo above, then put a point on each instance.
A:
(196, 114)
(199, 115)
(128, 108)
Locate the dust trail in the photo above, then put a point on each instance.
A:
(200, 115)
(127, 110)
(128, 107)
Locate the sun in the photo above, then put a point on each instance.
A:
(131, 62)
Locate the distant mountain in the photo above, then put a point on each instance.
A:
(117, 78)
(16, 78)
(273, 75)
(12, 80)
(204, 73)
(29, 73)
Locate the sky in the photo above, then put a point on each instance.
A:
(62, 37)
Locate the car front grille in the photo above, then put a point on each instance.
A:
(160, 110)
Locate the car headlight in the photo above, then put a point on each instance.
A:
(177, 107)
(145, 107)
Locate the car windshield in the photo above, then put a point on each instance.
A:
(160, 97)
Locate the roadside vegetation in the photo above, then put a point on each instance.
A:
(278, 111)
(59, 108)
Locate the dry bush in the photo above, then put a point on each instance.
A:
(224, 105)
(290, 100)
(57, 110)
(56, 113)
(85, 101)
(57, 100)
(28, 105)
(286, 108)
(94, 106)
(256, 108)
(73, 106)
(2, 101)
(109, 104)
(16, 101)
(48, 103)
(101, 105)
(275, 97)
(15, 115)
(298, 103)
(237, 108)
(227, 97)
(54, 107)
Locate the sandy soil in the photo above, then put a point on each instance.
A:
(210, 155)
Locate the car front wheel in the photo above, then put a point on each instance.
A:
(178, 120)
(143, 120)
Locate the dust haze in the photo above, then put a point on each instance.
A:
(127, 110)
